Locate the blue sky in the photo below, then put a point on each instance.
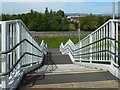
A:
(68, 7)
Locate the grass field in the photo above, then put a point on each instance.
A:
(54, 42)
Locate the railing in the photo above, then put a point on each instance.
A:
(20, 53)
(99, 49)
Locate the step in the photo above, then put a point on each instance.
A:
(58, 59)
(71, 80)
(94, 85)
(54, 51)
(71, 68)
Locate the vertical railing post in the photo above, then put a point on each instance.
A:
(112, 42)
(80, 51)
(17, 41)
(90, 48)
(31, 49)
(4, 57)
(116, 35)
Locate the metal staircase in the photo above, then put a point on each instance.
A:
(20, 53)
(98, 50)
(47, 68)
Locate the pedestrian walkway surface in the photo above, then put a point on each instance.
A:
(61, 73)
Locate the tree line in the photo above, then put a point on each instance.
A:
(92, 22)
(56, 21)
(47, 21)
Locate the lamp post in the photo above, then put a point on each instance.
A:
(79, 39)
(113, 9)
(79, 29)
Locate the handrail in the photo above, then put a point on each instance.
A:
(20, 49)
(98, 41)
(8, 72)
(19, 20)
(21, 55)
(117, 66)
(18, 45)
(98, 46)
(100, 27)
(100, 52)
(91, 44)
(70, 49)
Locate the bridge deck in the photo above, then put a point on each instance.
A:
(62, 73)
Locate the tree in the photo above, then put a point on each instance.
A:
(32, 26)
(89, 22)
(55, 20)
(61, 13)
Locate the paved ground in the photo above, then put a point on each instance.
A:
(57, 58)
(61, 73)
(60, 34)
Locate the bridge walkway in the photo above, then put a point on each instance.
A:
(61, 73)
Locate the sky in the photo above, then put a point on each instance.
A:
(14, 7)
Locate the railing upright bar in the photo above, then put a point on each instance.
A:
(116, 35)
(31, 48)
(107, 41)
(104, 42)
(112, 42)
(4, 79)
(100, 47)
(80, 51)
(99, 44)
(18, 38)
(19, 50)
(10, 43)
(90, 48)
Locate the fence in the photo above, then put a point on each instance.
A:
(99, 49)
(20, 53)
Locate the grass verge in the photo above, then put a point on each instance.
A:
(54, 42)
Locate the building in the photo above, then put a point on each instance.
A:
(73, 18)
(119, 8)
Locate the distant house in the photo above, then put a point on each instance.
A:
(73, 18)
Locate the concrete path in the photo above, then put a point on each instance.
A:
(58, 58)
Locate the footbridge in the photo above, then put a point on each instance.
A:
(92, 63)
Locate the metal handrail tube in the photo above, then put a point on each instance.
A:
(100, 45)
(18, 45)
(99, 52)
(96, 42)
(19, 48)
(91, 44)
(90, 53)
(100, 28)
(19, 20)
(8, 72)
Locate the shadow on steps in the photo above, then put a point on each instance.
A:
(30, 79)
